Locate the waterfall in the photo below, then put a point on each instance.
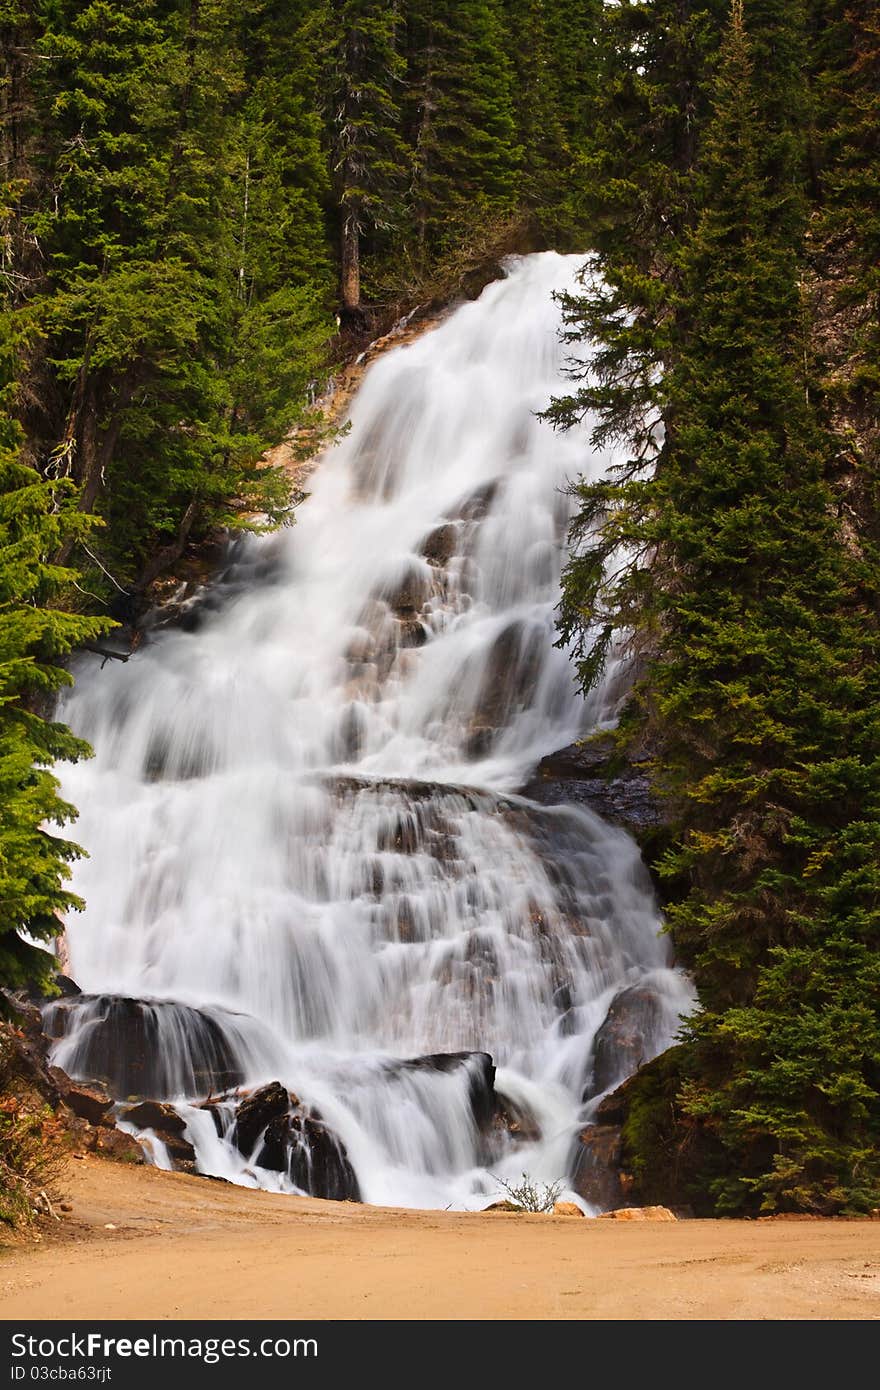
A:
(308, 859)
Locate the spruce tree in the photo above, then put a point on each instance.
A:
(762, 689)
(35, 635)
(466, 154)
(364, 76)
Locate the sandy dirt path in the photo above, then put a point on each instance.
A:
(186, 1247)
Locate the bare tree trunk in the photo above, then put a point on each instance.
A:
(351, 264)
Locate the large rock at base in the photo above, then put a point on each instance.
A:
(275, 1130)
(255, 1113)
(167, 1126)
(91, 1101)
(622, 1043)
(566, 1209)
(113, 1143)
(639, 1214)
(300, 1145)
(153, 1114)
(481, 1078)
(596, 1166)
(144, 1048)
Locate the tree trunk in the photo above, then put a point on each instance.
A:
(351, 265)
(171, 553)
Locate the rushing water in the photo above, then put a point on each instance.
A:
(302, 817)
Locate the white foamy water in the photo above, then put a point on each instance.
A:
(304, 813)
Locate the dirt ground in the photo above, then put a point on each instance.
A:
(139, 1243)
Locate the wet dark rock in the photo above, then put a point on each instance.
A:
(620, 1044)
(126, 1045)
(257, 1111)
(512, 670)
(152, 1114)
(481, 1075)
(441, 544)
(612, 1109)
(92, 1102)
(313, 1157)
(591, 774)
(67, 988)
(516, 1122)
(279, 1133)
(408, 592)
(206, 582)
(167, 1125)
(413, 791)
(596, 1166)
(412, 632)
(474, 281)
(475, 505)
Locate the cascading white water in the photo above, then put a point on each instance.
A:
(302, 817)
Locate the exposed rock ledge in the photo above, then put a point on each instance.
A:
(592, 774)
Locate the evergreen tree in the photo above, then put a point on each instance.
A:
(35, 516)
(462, 129)
(364, 77)
(763, 689)
(181, 317)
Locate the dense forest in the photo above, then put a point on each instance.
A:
(205, 205)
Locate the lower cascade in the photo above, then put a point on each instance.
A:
(328, 947)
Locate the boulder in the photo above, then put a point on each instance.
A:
(639, 1214)
(481, 1078)
(113, 1143)
(596, 1166)
(167, 1126)
(143, 1048)
(622, 1043)
(566, 1209)
(276, 1131)
(255, 1113)
(440, 545)
(315, 1160)
(91, 1101)
(514, 1122)
(153, 1114)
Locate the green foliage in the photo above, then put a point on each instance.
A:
(465, 152)
(178, 305)
(35, 517)
(720, 546)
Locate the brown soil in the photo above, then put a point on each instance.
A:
(184, 1247)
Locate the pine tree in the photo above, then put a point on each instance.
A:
(763, 689)
(34, 636)
(181, 315)
(364, 77)
(462, 129)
